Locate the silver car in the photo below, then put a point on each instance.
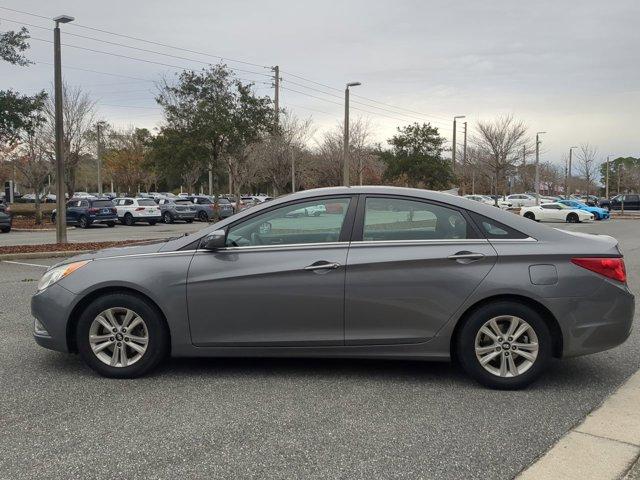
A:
(384, 273)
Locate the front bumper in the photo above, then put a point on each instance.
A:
(52, 307)
(595, 323)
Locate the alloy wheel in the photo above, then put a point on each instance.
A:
(118, 337)
(506, 346)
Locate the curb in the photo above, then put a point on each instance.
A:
(26, 256)
(605, 445)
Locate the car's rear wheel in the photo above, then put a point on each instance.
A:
(122, 335)
(128, 219)
(573, 218)
(83, 222)
(167, 218)
(202, 216)
(53, 218)
(504, 345)
(529, 215)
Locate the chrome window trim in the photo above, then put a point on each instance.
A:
(286, 246)
(172, 252)
(443, 241)
(512, 240)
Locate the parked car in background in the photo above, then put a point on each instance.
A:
(205, 207)
(82, 195)
(555, 212)
(521, 200)
(591, 200)
(598, 212)
(5, 221)
(5, 217)
(84, 212)
(631, 201)
(487, 200)
(172, 209)
(399, 273)
(132, 210)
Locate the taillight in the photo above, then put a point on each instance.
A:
(139, 209)
(609, 267)
(94, 210)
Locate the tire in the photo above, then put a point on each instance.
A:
(53, 218)
(470, 336)
(128, 219)
(153, 328)
(202, 216)
(5, 229)
(111, 224)
(530, 216)
(573, 218)
(84, 222)
(167, 217)
(152, 222)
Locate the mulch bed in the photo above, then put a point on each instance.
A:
(65, 247)
(29, 223)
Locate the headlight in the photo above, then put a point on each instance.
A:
(58, 273)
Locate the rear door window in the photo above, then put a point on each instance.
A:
(493, 229)
(387, 219)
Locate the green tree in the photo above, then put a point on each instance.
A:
(415, 158)
(210, 117)
(19, 114)
(624, 174)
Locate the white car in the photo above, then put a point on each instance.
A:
(132, 210)
(556, 212)
(487, 200)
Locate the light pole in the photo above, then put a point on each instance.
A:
(606, 182)
(345, 161)
(569, 171)
(61, 214)
(453, 148)
(537, 179)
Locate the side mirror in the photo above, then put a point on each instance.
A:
(215, 240)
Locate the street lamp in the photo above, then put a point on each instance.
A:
(345, 172)
(61, 213)
(453, 151)
(568, 182)
(537, 179)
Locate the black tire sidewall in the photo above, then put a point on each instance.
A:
(203, 216)
(128, 219)
(167, 218)
(465, 345)
(157, 348)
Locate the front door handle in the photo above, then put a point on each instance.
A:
(466, 257)
(322, 265)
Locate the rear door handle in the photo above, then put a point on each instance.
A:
(322, 265)
(466, 257)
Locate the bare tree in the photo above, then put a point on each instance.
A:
(587, 166)
(34, 166)
(79, 117)
(500, 142)
(279, 153)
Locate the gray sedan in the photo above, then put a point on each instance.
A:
(384, 273)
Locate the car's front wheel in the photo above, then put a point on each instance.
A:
(202, 216)
(121, 335)
(128, 219)
(167, 218)
(573, 218)
(504, 345)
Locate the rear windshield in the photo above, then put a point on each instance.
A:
(146, 202)
(102, 203)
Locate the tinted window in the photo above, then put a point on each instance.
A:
(202, 201)
(399, 219)
(494, 229)
(631, 198)
(182, 202)
(318, 221)
(146, 202)
(223, 200)
(102, 203)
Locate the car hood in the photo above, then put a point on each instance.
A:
(148, 247)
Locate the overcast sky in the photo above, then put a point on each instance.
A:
(571, 68)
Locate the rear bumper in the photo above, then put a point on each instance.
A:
(596, 323)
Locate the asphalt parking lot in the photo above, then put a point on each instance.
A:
(285, 418)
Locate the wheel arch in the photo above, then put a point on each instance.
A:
(72, 324)
(546, 314)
